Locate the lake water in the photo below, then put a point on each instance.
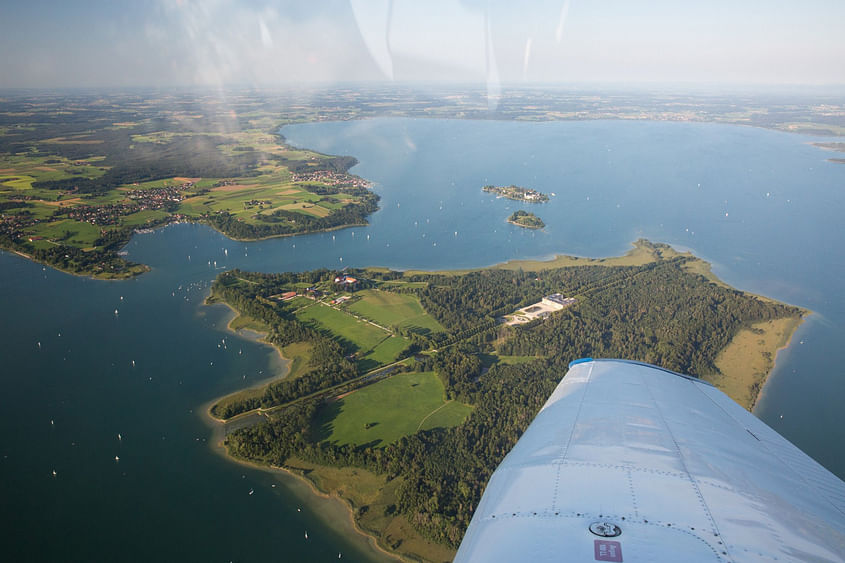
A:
(764, 207)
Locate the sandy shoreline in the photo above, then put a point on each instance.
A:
(335, 512)
(285, 363)
(750, 358)
(786, 346)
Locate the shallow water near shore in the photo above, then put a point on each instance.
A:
(764, 207)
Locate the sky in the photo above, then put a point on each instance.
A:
(262, 43)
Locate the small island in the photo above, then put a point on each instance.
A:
(526, 220)
(517, 193)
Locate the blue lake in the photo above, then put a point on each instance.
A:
(765, 208)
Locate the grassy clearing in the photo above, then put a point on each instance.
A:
(388, 410)
(299, 354)
(450, 414)
(356, 335)
(394, 309)
(81, 234)
(385, 352)
(747, 361)
(244, 321)
(516, 360)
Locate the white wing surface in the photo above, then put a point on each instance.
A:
(631, 462)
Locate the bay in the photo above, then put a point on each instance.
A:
(764, 207)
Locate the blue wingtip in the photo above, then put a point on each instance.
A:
(579, 361)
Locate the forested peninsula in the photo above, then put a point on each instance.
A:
(410, 389)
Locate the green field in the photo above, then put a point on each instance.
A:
(386, 352)
(393, 408)
(357, 336)
(515, 360)
(394, 309)
(81, 234)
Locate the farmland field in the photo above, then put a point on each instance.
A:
(395, 309)
(356, 335)
(386, 411)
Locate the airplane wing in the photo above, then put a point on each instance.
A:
(630, 462)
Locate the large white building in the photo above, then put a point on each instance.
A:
(557, 301)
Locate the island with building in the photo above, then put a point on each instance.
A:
(406, 389)
(517, 193)
(526, 220)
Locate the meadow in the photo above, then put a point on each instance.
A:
(356, 335)
(383, 412)
(394, 310)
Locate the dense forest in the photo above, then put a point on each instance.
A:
(526, 219)
(658, 313)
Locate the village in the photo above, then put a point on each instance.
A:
(158, 198)
(332, 179)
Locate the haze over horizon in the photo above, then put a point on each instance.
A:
(160, 43)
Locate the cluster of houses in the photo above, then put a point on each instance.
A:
(149, 199)
(346, 281)
(12, 225)
(310, 293)
(259, 202)
(96, 214)
(342, 282)
(156, 198)
(332, 179)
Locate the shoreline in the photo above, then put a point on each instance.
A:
(786, 346)
(259, 338)
(146, 268)
(746, 364)
(537, 228)
(26, 256)
(328, 504)
(285, 235)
